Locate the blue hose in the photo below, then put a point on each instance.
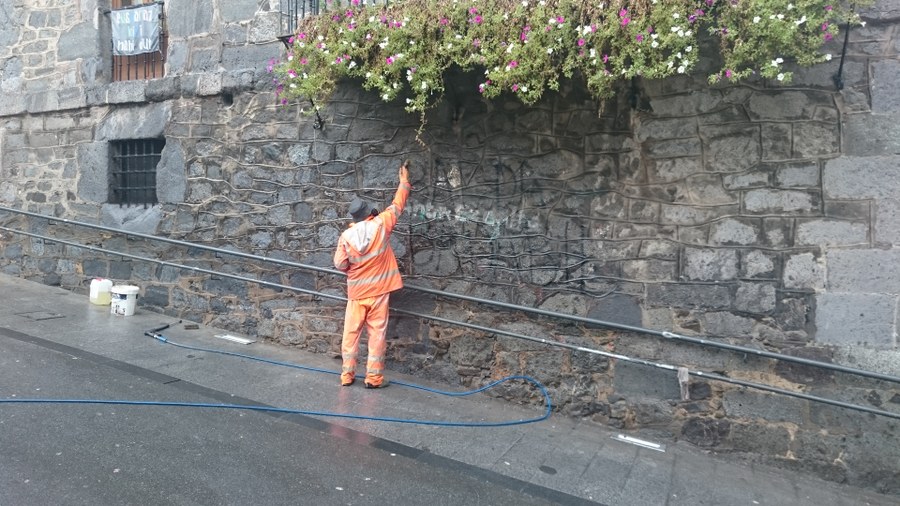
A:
(439, 423)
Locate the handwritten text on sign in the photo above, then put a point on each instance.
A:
(136, 31)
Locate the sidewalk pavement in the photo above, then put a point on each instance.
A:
(565, 460)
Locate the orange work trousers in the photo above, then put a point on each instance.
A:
(371, 312)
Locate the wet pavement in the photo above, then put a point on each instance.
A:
(54, 344)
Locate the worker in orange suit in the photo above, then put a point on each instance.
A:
(364, 253)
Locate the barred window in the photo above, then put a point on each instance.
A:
(144, 65)
(133, 170)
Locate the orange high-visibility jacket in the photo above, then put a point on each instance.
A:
(364, 252)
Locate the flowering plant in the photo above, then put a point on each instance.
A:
(525, 47)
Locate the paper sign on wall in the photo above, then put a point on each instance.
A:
(136, 31)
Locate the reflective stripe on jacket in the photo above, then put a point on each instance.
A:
(364, 251)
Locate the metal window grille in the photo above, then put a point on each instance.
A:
(292, 11)
(141, 66)
(133, 175)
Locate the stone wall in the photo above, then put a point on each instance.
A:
(754, 214)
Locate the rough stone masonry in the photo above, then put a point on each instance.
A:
(756, 214)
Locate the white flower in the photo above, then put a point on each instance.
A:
(681, 33)
(862, 23)
(524, 3)
(458, 36)
(681, 69)
(800, 21)
(386, 97)
(828, 57)
(524, 89)
(424, 85)
(352, 64)
(771, 16)
(382, 45)
(321, 38)
(790, 7)
(353, 44)
(371, 19)
(688, 49)
(293, 85)
(549, 50)
(395, 86)
(449, 45)
(780, 77)
(412, 43)
(368, 75)
(675, 15)
(552, 21)
(290, 57)
(593, 52)
(756, 19)
(408, 100)
(510, 47)
(654, 44)
(781, 16)
(305, 75)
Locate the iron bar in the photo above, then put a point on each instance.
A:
(489, 330)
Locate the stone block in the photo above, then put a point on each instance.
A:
(755, 297)
(703, 264)
(123, 92)
(857, 319)
(865, 271)
(777, 140)
(675, 214)
(690, 104)
(187, 18)
(804, 272)
(783, 105)
(649, 270)
(171, 181)
(884, 89)
(871, 135)
(797, 176)
(765, 201)
(138, 122)
(93, 160)
(862, 177)
(887, 221)
(815, 139)
(673, 169)
(706, 432)
(777, 232)
(732, 231)
(753, 405)
(827, 232)
(660, 129)
(79, 41)
(758, 264)
(641, 381)
(725, 324)
(689, 296)
(731, 148)
(752, 179)
(250, 57)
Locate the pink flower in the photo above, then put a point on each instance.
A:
(828, 37)
(560, 19)
(728, 73)
(824, 26)
(303, 61)
(291, 40)
(476, 43)
(302, 35)
(639, 38)
(473, 10)
(515, 87)
(477, 20)
(389, 60)
(513, 64)
(444, 21)
(605, 58)
(828, 8)
(580, 42)
(625, 21)
(354, 2)
(292, 73)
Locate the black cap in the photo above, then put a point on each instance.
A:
(360, 209)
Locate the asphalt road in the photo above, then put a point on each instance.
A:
(113, 454)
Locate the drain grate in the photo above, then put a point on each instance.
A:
(41, 315)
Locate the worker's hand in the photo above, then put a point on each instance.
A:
(404, 171)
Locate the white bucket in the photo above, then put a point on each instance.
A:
(100, 291)
(124, 298)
